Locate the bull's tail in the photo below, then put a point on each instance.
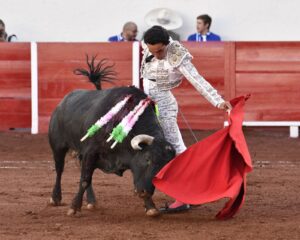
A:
(101, 72)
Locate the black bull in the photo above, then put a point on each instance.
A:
(145, 151)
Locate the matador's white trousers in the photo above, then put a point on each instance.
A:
(168, 110)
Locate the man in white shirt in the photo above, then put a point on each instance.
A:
(203, 30)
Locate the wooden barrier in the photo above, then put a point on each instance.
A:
(57, 61)
(15, 95)
(269, 71)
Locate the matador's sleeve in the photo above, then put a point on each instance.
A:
(202, 86)
(179, 57)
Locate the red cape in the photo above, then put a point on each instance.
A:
(211, 169)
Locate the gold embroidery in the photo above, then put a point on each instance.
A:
(177, 53)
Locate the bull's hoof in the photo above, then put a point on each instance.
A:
(91, 206)
(54, 203)
(73, 212)
(143, 194)
(153, 212)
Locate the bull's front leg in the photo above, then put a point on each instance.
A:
(150, 208)
(87, 169)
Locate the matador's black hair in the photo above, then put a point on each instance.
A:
(156, 34)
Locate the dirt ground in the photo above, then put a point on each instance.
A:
(271, 210)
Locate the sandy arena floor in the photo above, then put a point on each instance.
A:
(271, 210)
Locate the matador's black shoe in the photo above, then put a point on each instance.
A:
(182, 208)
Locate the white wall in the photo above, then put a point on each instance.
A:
(96, 20)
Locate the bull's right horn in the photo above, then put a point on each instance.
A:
(142, 138)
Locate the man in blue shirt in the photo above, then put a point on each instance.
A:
(203, 34)
(129, 33)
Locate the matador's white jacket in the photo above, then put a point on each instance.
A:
(168, 73)
(160, 76)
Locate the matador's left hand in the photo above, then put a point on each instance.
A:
(225, 106)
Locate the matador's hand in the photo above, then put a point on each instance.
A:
(225, 106)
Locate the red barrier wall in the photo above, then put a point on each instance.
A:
(55, 72)
(15, 86)
(270, 71)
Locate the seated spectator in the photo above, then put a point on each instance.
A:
(129, 33)
(3, 34)
(203, 34)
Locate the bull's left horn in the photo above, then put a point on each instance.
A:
(142, 138)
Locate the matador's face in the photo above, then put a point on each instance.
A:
(158, 50)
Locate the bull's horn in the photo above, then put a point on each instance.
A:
(142, 138)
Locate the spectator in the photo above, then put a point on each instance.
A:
(129, 33)
(3, 34)
(203, 34)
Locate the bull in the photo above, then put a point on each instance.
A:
(144, 152)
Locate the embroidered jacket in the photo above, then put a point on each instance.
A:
(168, 72)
